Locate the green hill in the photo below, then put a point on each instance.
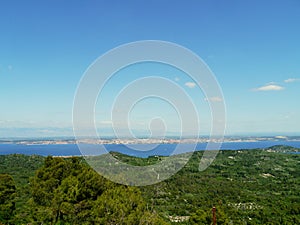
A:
(246, 187)
(260, 186)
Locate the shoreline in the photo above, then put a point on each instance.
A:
(166, 150)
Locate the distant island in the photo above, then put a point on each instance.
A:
(142, 140)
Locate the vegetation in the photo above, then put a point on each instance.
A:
(20, 168)
(67, 191)
(246, 187)
(7, 197)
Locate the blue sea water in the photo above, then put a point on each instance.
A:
(161, 149)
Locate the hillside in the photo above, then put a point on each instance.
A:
(246, 186)
(258, 186)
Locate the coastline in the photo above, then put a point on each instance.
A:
(138, 150)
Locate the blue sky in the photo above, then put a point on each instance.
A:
(252, 47)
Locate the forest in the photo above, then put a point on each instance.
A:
(259, 186)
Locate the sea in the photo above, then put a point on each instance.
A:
(132, 150)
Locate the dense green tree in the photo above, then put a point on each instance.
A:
(67, 191)
(7, 197)
(123, 205)
(200, 217)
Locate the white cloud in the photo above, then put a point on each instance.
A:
(190, 84)
(269, 87)
(214, 99)
(291, 80)
(177, 79)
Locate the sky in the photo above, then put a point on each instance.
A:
(252, 47)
